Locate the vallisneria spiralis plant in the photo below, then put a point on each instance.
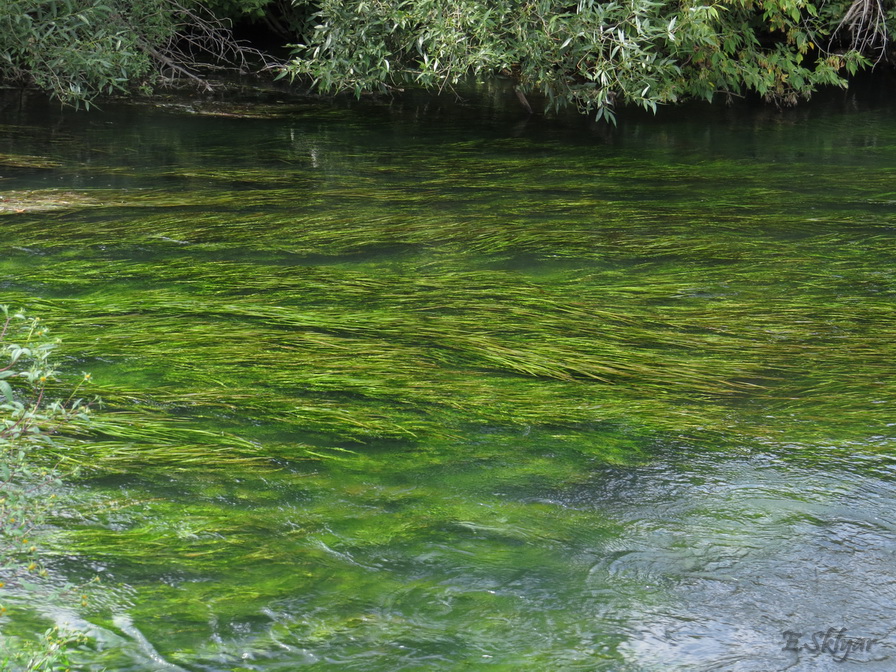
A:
(29, 419)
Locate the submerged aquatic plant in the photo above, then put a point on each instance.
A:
(345, 377)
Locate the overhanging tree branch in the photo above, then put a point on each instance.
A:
(866, 23)
(201, 42)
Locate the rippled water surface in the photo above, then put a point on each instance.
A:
(431, 386)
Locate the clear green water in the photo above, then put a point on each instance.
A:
(431, 388)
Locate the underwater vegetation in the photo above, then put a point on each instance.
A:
(343, 361)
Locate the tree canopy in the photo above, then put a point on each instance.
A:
(590, 54)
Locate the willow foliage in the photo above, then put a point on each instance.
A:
(78, 50)
(591, 54)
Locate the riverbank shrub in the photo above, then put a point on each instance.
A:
(590, 54)
(78, 50)
(29, 418)
(48, 653)
(594, 54)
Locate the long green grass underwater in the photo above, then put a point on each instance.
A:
(328, 353)
(675, 324)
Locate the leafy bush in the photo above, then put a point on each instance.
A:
(77, 50)
(28, 421)
(589, 54)
(47, 654)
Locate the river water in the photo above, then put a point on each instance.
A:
(433, 386)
